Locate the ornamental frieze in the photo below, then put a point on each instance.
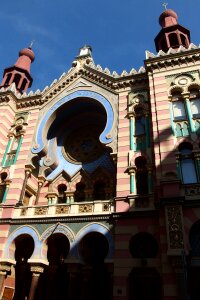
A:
(174, 227)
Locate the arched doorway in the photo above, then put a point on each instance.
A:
(194, 268)
(54, 282)
(144, 284)
(95, 277)
(24, 248)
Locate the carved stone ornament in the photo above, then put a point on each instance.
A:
(106, 207)
(40, 210)
(86, 208)
(23, 211)
(4, 269)
(175, 227)
(62, 210)
(37, 270)
(134, 98)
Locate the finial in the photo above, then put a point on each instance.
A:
(165, 5)
(31, 44)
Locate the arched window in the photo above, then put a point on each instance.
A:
(140, 126)
(17, 79)
(8, 78)
(195, 103)
(197, 127)
(12, 151)
(188, 168)
(143, 245)
(79, 194)
(141, 176)
(178, 130)
(173, 40)
(61, 193)
(185, 129)
(183, 40)
(99, 192)
(23, 85)
(163, 45)
(178, 106)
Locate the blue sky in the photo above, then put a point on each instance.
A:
(119, 32)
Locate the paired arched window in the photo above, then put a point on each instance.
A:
(187, 163)
(12, 151)
(182, 129)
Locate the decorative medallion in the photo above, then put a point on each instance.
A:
(183, 81)
(85, 208)
(62, 209)
(40, 210)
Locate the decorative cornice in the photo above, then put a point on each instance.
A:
(172, 58)
(94, 74)
(22, 101)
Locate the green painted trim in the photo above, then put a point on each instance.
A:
(132, 129)
(132, 183)
(147, 131)
(6, 152)
(172, 118)
(5, 194)
(192, 128)
(18, 148)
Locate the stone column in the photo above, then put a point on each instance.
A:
(74, 282)
(4, 270)
(52, 273)
(132, 133)
(36, 271)
(85, 284)
(131, 171)
(28, 171)
(41, 181)
(7, 149)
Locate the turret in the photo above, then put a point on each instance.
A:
(172, 35)
(20, 72)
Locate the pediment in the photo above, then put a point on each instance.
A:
(79, 84)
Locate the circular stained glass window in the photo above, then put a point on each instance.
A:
(83, 145)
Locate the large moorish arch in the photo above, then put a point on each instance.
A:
(76, 113)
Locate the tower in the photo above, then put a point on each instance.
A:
(20, 72)
(172, 35)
